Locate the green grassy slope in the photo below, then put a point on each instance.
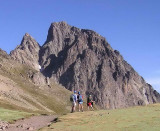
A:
(10, 116)
(131, 119)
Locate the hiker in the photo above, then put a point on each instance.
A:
(73, 99)
(90, 102)
(80, 101)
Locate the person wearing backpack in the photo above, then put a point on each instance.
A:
(73, 99)
(80, 101)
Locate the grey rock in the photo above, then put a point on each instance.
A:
(27, 52)
(39, 79)
(83, 60)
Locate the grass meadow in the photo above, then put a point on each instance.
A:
(140, 118)
(11, 116)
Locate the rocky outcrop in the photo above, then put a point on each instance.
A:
(38, 78)
(81, 59)
(28, 52)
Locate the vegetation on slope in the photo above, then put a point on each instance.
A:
(146, 118)
(10, 115)
(20, 93)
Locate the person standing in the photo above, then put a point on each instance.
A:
(80, 101)
(73, 99)
(90, 102)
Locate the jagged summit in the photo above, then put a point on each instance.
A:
(28, 39)
(57, 27)
(61, 23)
(81, 59)
(27, 52)
(27, 35)
(63, 28)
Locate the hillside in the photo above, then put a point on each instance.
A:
(19, 89)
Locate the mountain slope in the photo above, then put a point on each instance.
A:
(18, 90)
(81, 59)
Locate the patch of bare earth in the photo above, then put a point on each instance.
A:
(31, 124)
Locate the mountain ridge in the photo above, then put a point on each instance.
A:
(81, 59)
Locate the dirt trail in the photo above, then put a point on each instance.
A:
(31, 124)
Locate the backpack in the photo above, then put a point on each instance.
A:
(80, 98)
(72, 98)
(89, 100)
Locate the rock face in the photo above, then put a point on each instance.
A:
(83, 60)
(28, 52)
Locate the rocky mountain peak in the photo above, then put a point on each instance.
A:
(26, 37)
(27, 34)
(83, 60)
(28, 40)
(57, 30)
(27, 52)
(59, 24)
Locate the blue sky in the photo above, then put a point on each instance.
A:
(130, 26)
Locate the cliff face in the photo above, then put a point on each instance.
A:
(83, 60)
(28, 52)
